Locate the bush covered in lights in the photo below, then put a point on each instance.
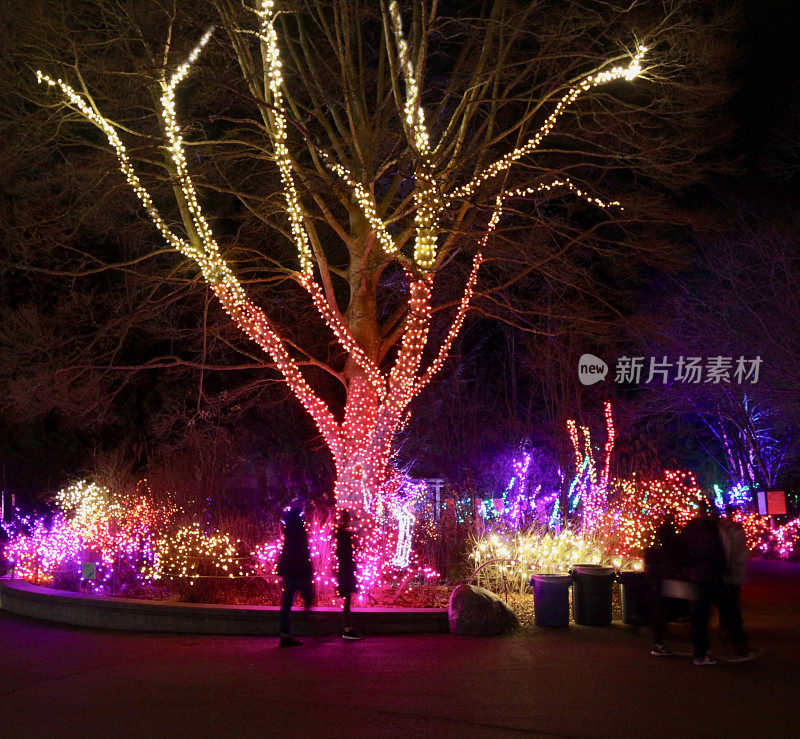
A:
(635, 508)
(609, 520)
(191, 553)
(507, 561)
(93, 525)
(41, 551)
(131, 540)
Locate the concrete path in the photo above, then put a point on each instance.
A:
(582, 682)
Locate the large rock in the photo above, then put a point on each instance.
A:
(476, 611)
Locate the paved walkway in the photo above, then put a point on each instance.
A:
(581, 682)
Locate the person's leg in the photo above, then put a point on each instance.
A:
(346, 611)
(289, 588)
(657, 615)
(725, 606)
(733, 619)
(701, 613)
(658, 626)
(348, 632)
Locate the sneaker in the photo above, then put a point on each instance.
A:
(746, 656)
(351, 635)
(289, 641)
(707, 660)
(659, 650)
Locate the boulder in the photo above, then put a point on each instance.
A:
(476, 611)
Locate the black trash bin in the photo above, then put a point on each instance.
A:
(551, 599)
(634, 596)
(592, 594)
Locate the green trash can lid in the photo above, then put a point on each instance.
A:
(586, 569)
(558, 578)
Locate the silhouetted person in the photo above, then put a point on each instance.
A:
(705, 567)
(734, 543)
(662, 561)
(294, 566)
(346, 573)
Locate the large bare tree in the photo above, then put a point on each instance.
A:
(399, 137)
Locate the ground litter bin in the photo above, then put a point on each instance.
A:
(633, 595)
(551, 599)
(592, 594)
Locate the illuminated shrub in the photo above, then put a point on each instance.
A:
(508, 559)
(41, 551)
(782, 541)
(191, 553)
(94, 525)
(636, 508)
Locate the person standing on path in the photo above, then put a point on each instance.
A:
(661, 561)
(705, 567)
(734, 542)
(346, 573)
(294, 566)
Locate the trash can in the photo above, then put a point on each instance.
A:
(551, 598)
(633, 592)
(592, 594)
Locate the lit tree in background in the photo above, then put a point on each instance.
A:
(378, 189)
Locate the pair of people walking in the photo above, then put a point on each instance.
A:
(294, 566)
(708, 558)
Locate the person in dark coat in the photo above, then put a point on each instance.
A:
(662, 561)
(705, 567)
(294, 566)
(346, 573)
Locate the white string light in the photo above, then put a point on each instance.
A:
(593, 80)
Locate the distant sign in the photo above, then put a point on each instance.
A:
(88, 570)
(776, 502)
(771, 502)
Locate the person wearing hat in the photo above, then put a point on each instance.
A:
(294, 566)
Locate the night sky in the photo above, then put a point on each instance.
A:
(767, 102)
